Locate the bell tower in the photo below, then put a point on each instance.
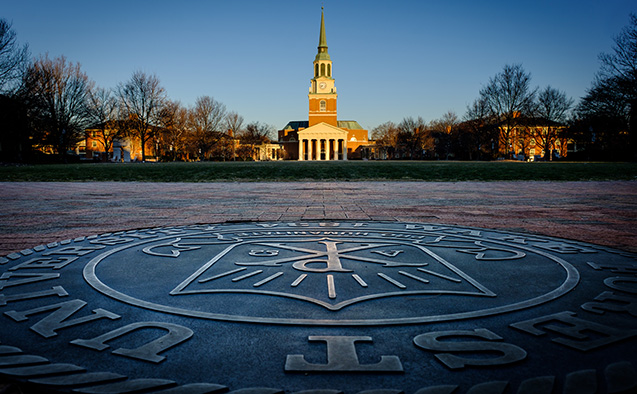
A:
(322, 96)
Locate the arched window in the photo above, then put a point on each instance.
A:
(323, 69)
(316, 70)
(329, 70)
(323, 105)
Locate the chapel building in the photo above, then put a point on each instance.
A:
(323, 136)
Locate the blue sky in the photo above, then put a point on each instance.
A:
(392, 59)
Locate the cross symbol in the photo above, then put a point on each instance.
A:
(331, 257)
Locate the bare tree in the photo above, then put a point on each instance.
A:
(484, 131)
(479, 109)
(610, 106)
(13, 57)
(234, 123)
(385, 133)
(620, 67)
(414, 137)
(174, 120)
(254, 134)
(57, 94)
(103, 112)
(604, 99)
(207, 117)
(444, 130)
(142, 99)
(551, 111)
(509, 98)
(386, 138)
(449, 120)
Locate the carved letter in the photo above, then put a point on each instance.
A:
(173, 252)
(613, 283)
(342, 357)
(55, 290)
(148, 352)
(575, 329)
(629, 269)
(56, 320)
(565, 248)
(74, 250)
(4, 283)
(42, 262)
(620, 304)
(431, 341)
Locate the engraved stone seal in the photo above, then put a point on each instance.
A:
(330, 306)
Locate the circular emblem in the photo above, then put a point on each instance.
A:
(304, 277)
(349, 306)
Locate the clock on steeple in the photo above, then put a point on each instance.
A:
(322, 96)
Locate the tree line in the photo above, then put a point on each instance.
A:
(510, 114)
(48, 104)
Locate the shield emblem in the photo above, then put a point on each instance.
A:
(332, 272)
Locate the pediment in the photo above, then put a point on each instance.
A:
(322, 130)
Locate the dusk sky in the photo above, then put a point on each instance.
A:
(392, 59)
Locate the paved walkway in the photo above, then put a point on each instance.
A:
(603, 213)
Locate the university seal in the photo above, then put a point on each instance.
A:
(335, 306)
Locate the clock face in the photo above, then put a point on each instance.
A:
(322, 85)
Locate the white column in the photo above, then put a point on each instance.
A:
(334, 149)
(345, 149)
(309, 149)
(300, 149)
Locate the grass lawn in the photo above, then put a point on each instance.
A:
(322, 171)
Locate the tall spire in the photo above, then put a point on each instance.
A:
(322, 40)
(322, 47)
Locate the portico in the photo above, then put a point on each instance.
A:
(322, 142)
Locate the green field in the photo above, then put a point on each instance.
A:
(321, 171)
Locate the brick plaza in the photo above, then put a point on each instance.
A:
(603, 213)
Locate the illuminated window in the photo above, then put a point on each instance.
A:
(323, 105)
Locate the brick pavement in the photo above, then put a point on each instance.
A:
(603, 213)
